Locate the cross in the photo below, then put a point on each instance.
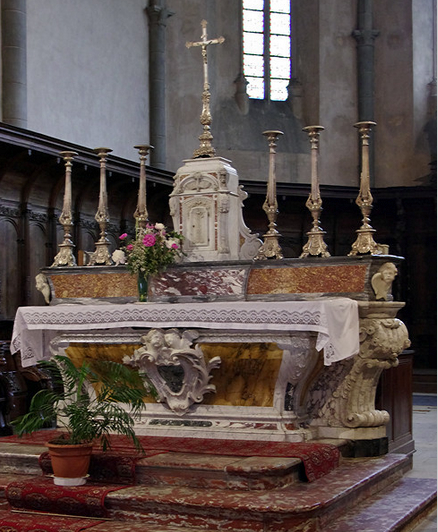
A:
(205, 149)
(204, 43)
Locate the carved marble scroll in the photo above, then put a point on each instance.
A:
(344, 394)
(177, 370)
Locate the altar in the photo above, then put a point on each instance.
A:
(239, 342)
(235, 350)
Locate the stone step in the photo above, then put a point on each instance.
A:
(359, 486)
(17, 523)
(183, 469)
(180, 469)
(20, 459)
(400, 507)
(303, 504)
(218, 472)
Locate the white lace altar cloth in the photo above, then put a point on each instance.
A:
(336, 322)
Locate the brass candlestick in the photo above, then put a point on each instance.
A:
(365, 241)
(205, 148)
(315, 245)
(65, 255)
(102, 255)
(141, 212)
(270, 247)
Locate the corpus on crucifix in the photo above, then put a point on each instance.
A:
(205, 148)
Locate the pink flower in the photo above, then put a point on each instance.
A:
(175, 246)
(129, 247)
(122, 237)
(149, 240)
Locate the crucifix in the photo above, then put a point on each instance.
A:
(205, 149)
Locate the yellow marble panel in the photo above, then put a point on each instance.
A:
(308, 280)
(78, 352)
(94, 285)
(247, 375)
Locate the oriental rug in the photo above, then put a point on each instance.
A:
(40, 494)
(318, 458)
(105, 467)
(14, 522)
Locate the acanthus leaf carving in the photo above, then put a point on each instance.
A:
(352, 401)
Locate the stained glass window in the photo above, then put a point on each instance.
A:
(267, 48)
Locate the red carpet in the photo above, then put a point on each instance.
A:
(104, 467)
(13, 522)
(318, 458)
(40, 494)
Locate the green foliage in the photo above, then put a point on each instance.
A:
(90, 401)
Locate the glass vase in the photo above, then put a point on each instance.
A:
(142, 284)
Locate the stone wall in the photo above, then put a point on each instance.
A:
(88, 83)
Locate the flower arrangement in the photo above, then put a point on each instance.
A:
(153, 250)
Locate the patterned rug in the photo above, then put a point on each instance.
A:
(14, 522)
(108, 467)
(40, 494)
(318, 458)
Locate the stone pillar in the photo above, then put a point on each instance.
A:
(158, 15)
(365, 35)
(14, 75)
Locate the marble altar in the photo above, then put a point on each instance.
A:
(288, 350)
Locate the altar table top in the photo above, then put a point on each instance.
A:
(336, 321)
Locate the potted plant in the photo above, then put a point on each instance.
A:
(91, 401)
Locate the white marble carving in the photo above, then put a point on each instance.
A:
(382, 281)
(177, 370)
(349, 400)
(206, 207)
(42, 284)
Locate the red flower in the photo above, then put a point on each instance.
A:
(149, 240)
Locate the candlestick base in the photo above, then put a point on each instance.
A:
(315, 247)
(365, 244)
(270, 249)
(101, 256)
(205, 147)
(65, 255)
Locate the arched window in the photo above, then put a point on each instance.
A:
(267, 48)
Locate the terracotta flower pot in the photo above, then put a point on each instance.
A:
(70, 463)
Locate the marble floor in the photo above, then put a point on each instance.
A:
(425, 457)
